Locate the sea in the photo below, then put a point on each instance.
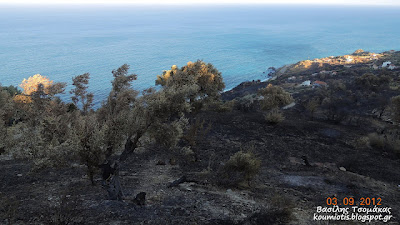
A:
(241, 41)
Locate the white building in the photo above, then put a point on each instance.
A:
(349, 59)
(306, 83)
(385, 64)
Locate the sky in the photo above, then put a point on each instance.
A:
(184, 2)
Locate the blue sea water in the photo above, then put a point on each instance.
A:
(241, 41)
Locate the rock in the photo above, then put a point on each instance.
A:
(185, 186)
(140, 199)
(172, 161)
(160, 163)
(289, 106)
(342, 168)
(19, 175)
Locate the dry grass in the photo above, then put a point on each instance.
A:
(274, 116)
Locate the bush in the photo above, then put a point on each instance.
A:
(204, 77)
(24, 142)
(273, 97)
(389, 141)
(376, 141)
(246, 103)
(394, 145)
(372, 82)
(361, 143)
(274, 116)
(279, 211)
(312, 105)
(396, 108)
(220, 106)
(242, 166)
(11, 90)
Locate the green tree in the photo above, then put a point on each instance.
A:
(115, 111)
(11, 90)
(80, 93)
(396, 108)
(202, 81)
(90, 137)
(274, 97)
(372, 82)
(242, 166)
(160, 116)
(312, 105)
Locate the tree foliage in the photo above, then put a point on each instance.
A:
(273, 97)
(115, 111)
(396, 108)
(242, 166)
(202, 79)
(51, 133)
(372, 82)
(80, 93)
(11, 90)
(89, 136)
(30, 85)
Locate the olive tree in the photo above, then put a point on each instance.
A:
(116, 109)
(160, 115)
(80, 93)
(204, 80)
(89, 136)
(274, 97)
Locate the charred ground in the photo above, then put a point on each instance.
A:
(346, 136)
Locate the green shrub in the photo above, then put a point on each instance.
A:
(372, 82)
(273, 97)
(279, 211)
(395, 106)
(11, 90)
(274, 116)
(241, 167)
(393, 143)
(245, 103)
(220, 106)
(361, 142)
(204, 77)
(376, 141)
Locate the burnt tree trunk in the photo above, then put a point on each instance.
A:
(130, 146)
(90, 173)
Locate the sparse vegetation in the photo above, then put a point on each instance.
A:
(48, 145)
(376, 141)
(202, 82)
(396, 108)
(243, 166)
(373, 82)
(274, 116)
(273, 97)
(246, 103)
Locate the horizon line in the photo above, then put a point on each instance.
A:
(107, 3)
(190, 4)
